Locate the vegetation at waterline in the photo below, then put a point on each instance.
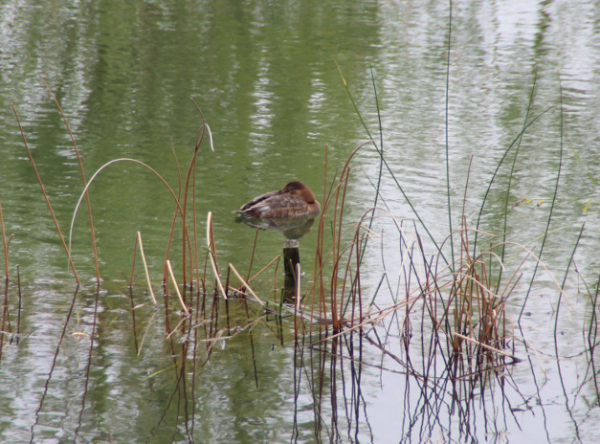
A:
(451, 313)
(448, 323)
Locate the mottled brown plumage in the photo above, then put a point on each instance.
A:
(294, 200)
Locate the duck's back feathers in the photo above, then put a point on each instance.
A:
(258, 202)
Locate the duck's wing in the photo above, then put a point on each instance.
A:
(257, 203)
(273, 205)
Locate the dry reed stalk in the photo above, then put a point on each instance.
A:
(20, 302)
(5, 317)
(46, 198)
(210, 244)
(175, 213)
(4, 244)
(146, 272)
(246, 286)
(174, 280)
(263, 269)
(83, 178)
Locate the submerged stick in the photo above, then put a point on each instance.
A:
(291, 260)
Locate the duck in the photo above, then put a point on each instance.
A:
(295, 200)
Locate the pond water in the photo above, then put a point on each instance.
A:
(289, 90)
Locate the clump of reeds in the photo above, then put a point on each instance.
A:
(191, 320)
(464, 300)
(466, 294)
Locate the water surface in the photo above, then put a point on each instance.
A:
(274, 81)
